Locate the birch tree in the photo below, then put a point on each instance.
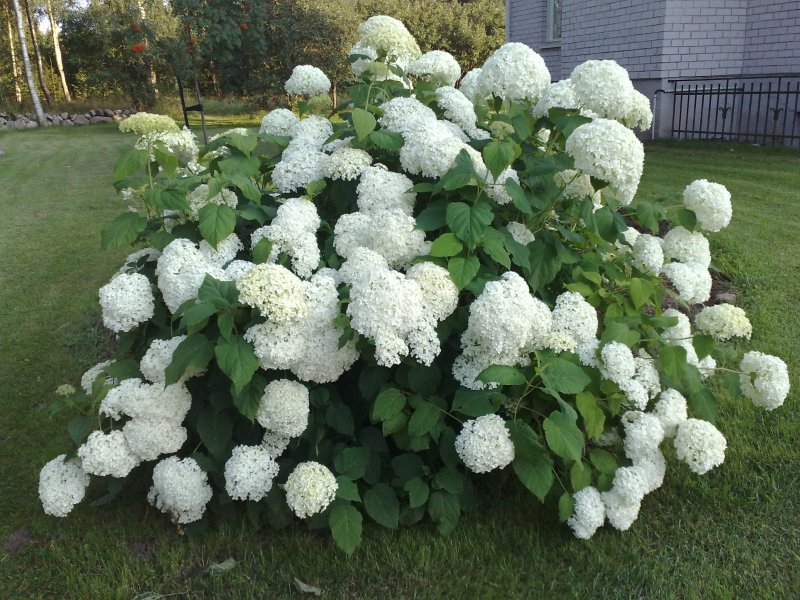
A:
(26, 63)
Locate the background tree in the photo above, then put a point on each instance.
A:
(12, 51)
(26, 62)
(57, 50)
(37, 52)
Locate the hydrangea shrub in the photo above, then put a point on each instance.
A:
(359, 313)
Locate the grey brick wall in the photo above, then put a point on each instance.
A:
(772, 40)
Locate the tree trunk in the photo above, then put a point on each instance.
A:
(14, 68)
(35, 39)
(153, 78)
(26, 62)
(57, 47)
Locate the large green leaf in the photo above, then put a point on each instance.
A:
(215, 430)
(545, 263)
(531, 464)
(217, 222)
(347, 490)
(423, 419)
(388, 404)
(382, 505)
(195, 351)
(499, 154)
(221, 294)
(387, 140)
(345, 523)
(363, 122)
(563, 376)
(502, 374)
(594, 418)
(248, 399)
(237, 359)
(476, 403)
(563, 436)
(123, 230)
(352, 462)
(445, 509)
(463, 270)
(446, 244)
(130, 162)
(469, 223)
(418, 492)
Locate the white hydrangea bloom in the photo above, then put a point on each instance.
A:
(181, 269)
(275, 443)
(635, 392)
(458, 109)
(609, 151)
(469, 85)
(520, 232)
(127, 300)
(237, 269)
(439, 293)
(403, 115)
(436, 65)
(700, 445)
(362, 264)
(249, 473)
(278, 122)
(691, 280)
(620, 512)
(366, 54)
(577, 185)
(388, 36)
(144, 255)
(681, 331)
(640, 116)
(653, 467)
(631, 484)
(496, 190)
(293, 231)
(150, 438)
(587, 353)
(430, 151)
(505, 323)
(310, 132)
(603, 87)
(310, 489)
(224, 253)
(686, 246)
(557, 95)
(180, 488)
(589, 514)
(643, 433)
(765, 379)
(711, 202)
(647, 254)
(62, 485)
(484, 444)
(88, 378)
(198, 198)
(647, 375)
(299, 168)
(284, 408)
(107, 454)
(574, 316)
(141, 123)
(276, 292)
(617, 362)
(514, 72)
(392, 234)
(307, 80)
(159, 356)
(629, 236)
(723, 322)
(134, 398)
(671, 410)
(382, 189)
(347, 163)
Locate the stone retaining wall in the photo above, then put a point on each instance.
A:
(11, 120)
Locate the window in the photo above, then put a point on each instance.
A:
(553, 20)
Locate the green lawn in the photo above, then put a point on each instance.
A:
(734, 533)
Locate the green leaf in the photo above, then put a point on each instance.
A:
(460, 174)
(195, 351)
(566, 506)
(593, 417)
(388, 140)
(640, 292)
(315, 187)
(248, 399)
(563, 376)
(262, 251)
(197, 314)
(388, 404)
(340, 418)
(433, 216)
(493, 244)
(345, 523)
(476, 403)
(123, 230)
(123, 369)
(237, 359)
(580, 475)
(502, 374)
(245, 143)
(424, 380)
(463, 270)
(648, 215)
(518, 196)
(687, 219)
(671, 360)
(254, 212)
(382, 505)
(347, 490)
(79, 428)
(499, 154)
(445, 510)
(221, 294)
(240, 165)
(130, 162)
(563, 436)
(394, 424)
(446, 244)
(215, 430)
(617, 331)
(449, 479)
(216, 223)
(545, 263)
(423, 419)
(418, 492)
(469, 223)
(352, 462)
(363, 122)
(408, 466)
(603, 461)
(704, 345)
(531, 464)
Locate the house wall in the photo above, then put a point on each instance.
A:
(772, 40)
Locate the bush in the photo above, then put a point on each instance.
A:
(379, 305)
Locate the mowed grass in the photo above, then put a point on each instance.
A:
(734, 533)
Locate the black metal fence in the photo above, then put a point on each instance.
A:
(763, 109)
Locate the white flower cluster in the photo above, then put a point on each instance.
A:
(603, 87)
(514, 72)
(62, 485)
(298, 168)
(671, 410)
(275, 291)
(294, 232)
(496, 189)
(686, 246)
(648, 255)
(307, 80)
(182, 143)
(609, 151)
(589, 513)
(347, 163)
(278, 122)
(460, 110)
(159, 356)
(89, 377)
(107, 454)
(691, 280)
(700, 445)
(142, 123)
(180, 488)
(469, 85)
(557, 95)
(723, 322)
(199, 197)
(390, 233)
(710, 202)
(127, 300)
(520, 232)
(382, 189)
(484, 444)
(505, 323)
(576, 319)
(386, 36)
(249, 473)
(681, 335)
(438, 66)
(310, 489)
(180, 270)
(764, 379)
(284, 408)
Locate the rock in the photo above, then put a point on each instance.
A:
(99, 119)
(727, 297)
(20, 123)
(57, 120)
(68, 123)
(80, 120)
(92, 113)
(64, 116)
(32, 125)
(117, 118)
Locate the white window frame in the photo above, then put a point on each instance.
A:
(551, 17)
